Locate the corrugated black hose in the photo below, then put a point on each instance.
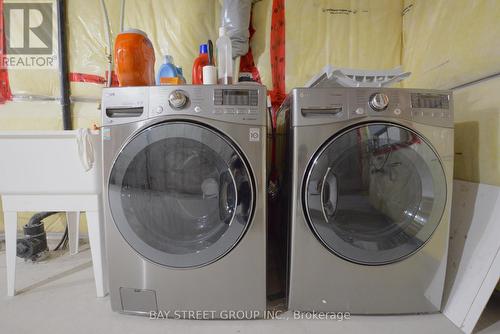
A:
(35, 238)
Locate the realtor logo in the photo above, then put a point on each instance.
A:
(29, 32)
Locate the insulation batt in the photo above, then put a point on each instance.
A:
(450, 42)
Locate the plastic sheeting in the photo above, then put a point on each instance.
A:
(43, 82)
(175, 27)
(38, 115)
(87, 42)
(477, 133)
(357, 34)
(450, 42)
(360, 34)
(235, 18)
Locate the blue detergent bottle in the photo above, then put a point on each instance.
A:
(167, 74)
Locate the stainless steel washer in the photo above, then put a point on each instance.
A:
(184, 199)
(370, 174)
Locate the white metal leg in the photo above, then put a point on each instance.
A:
(73, 219)
(96, 235)
(10, 223)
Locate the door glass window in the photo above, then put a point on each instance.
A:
(180, 194)
(375, 194)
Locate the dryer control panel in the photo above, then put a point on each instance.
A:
(326, 105)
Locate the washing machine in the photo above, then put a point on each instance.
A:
(369, 175)
(185, 200)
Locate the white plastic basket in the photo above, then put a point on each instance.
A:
(347, 77)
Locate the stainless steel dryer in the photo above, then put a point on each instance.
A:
(184, 199)
(370, 175)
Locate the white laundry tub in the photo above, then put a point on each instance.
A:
(49, 162)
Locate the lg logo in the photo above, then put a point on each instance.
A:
(254, 134)
(28, 28)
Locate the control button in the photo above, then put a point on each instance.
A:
(241, 111)
(360, 111)
(253, 111)
(397, 111)
(197, 109)
(159, 109)
(379, 101)
(217, 111)
(177, 99)
(229, 111)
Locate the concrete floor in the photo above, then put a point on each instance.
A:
(58, 296)
(489, 323)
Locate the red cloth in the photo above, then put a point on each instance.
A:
(278, 93)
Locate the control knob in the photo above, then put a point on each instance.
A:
(379, 101)
(177, 99)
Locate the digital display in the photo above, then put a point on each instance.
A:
(236, 97)
(430, 101)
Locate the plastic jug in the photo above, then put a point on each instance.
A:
(168, 73)
(134, 59)
(224, 58)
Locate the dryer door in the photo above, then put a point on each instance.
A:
(375, 193)
(181, 194)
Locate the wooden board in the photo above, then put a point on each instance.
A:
(474, 255)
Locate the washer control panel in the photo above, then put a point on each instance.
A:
(242, 103)
(233, 103)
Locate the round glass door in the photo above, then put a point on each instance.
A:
(181, 194)
(375, 194)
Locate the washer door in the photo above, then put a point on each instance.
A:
(375, 193)
(181, 194)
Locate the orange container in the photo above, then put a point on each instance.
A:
(134, 59)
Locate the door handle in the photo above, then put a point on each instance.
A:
(322, 196)
(227, 206)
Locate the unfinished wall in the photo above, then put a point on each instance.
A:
(356, 34)
(477, 132)
(448, 43)
(349, 33)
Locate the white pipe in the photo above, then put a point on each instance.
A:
(108, 34)
(122, 16)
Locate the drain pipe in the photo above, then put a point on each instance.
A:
(62, 54)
